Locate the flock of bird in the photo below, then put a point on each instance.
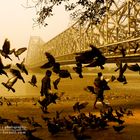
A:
(76, 124)
(16, 72)
(92, 58)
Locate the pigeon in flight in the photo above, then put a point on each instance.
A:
(5, 52)
(134, 67)
(9, 84)
(51, 61)
(17, 73)
(33, 81)
(22, 67)
(3, 67)
(19, 51)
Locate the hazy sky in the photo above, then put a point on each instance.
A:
(16, 23)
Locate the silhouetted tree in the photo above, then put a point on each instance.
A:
(84, 10)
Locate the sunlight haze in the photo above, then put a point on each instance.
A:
(17, 23)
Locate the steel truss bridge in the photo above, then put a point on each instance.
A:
(119, 27)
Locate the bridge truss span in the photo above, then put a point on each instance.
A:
(120, 27)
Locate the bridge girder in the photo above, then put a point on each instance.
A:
(120, 26)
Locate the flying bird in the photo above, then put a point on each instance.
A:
(134, 67)
(78, 69)
(56, 82)
(19, 51)
(87, 56)
(17, 73)
(97, 61)
(33, 81)
(22, 67)
(9, 84)
(51, 61)
(5, 52)
(3, 67)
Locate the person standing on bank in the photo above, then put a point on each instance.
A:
(99, 84)
(45, 91)
(46, 84)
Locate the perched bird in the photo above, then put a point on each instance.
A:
(19, 52)
(22, 67)
(9, 84)
(33, 81)
(6, 49)
(129, 113)
(23, 119)
(118, 128)
(17, 73)
(33, 123)
(29, 135)
(119, 115)
(53, 128)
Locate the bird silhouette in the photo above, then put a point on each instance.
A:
(22, 67)
(134, 67)
(6, 49)
(78, 69)
(51, 61)
(118, 128)
(56, 82)
(33, 81)
(97, 61)
(17, 73)
(78, 106)
(64, 74)
(87, 56)
(9, 84)
(19, 51)
(90, 89)
(2, 67)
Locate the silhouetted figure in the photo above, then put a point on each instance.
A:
(45, 90)
(99, 87)
(46, 83)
